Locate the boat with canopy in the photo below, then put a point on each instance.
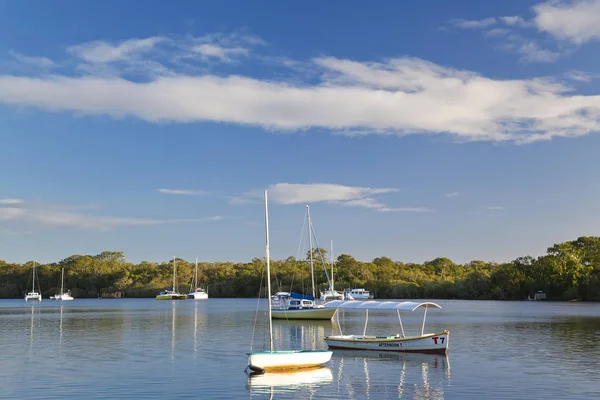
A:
(422, 343)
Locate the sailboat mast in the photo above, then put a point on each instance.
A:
(268, 255)
(62, 281)
(312, 270)
(331, 255)
(33, 288)
(196, 275)
(174, 273)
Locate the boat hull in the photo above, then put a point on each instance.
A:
(33, 296)
(305, 313)
(267, 361)
(197, 296)
(171, 297)
(436, 343)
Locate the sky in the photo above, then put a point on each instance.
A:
(414, 130)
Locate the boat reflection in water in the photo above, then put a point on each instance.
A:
(304, 383)
(366, 374)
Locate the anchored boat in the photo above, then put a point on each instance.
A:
(422, 343)
(281, 360)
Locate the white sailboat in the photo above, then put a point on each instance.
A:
(298, 306)
(196, 293)
(172, 294)
(33, 295)
(62, 295)
(272, 360)
(331, 293)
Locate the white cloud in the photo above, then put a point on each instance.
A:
(575, 21)
(407, 209)
(515, 20)
(184, 192)
(396, 96)
(351, 196)
(40, 62)
(100, 52)
(223, 54)
(473, 24)
(10, 201)
(297, 193)
(495, 208)
(451, 194)
(531, 52)
(48, 216)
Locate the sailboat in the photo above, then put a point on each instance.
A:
(33, 295)
(62, 295)
(171, 294)
(196, 293)
(299, 306)
(280, 360)
(331, 293)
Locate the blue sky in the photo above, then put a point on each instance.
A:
(462, 129)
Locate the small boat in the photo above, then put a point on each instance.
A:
(299, 306)
(357, 294)
(62, 295)
(423, 343)
(331, 293)
(172, 294)
(196, 293)
(286, 305)
(281, 360)
(33, 295)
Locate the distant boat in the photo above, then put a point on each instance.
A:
(300, 306)
(423, 342)
(539, 295)
(272, 360)
(357, 294)
(62, 295)
(171, 294)
(33, 295)
(196, 293)
(331, 293)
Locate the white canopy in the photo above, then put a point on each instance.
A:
(380, 305)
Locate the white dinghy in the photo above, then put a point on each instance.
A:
(422, 343)
(272, 360)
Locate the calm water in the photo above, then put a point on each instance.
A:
(148, 349)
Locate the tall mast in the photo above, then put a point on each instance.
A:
(331, 255)
(62, 281)
(312, 271)
(268, 255)
(196, 275)
(174, 273)
(33, 288)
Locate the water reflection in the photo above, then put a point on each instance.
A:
(305, 381)
(368, 374)
(32, 327)
(306, 335)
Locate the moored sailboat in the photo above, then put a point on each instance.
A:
(281, 360)
(62, 295)
(196, 293)
(171, 294)
(33, 295)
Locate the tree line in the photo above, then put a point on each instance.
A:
(569, 270)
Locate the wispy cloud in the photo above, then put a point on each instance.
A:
(451, 194)
(99, 52)
(10, 201)
(396, 96)
(350, 196)
(574, 21)
(184, 192)
(494, 208)
(24, 215)
(223, 54)
(407, 209)
(40, 62)
(473, 24)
